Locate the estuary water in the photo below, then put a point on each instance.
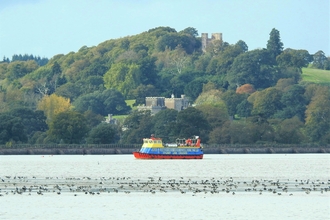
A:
(247, 186)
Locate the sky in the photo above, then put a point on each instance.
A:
(46, 28)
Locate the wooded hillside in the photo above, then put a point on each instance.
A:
(239, 96)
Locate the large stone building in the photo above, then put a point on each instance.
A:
(156, 104)
(206, 40)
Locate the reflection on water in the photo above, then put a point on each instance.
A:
(226, 186)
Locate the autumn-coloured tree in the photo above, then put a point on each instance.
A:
(289, 131)
(215, 114)
(246, 88)
(52, 105)
(318, 115)
(267, 102)
(211, 96)
(311, 91)
(284, 84)
(220, 135)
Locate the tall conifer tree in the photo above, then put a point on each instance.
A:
(274, 44)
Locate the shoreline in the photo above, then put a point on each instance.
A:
(113, 151)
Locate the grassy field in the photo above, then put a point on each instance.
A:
(316, 76)
(131, 102)
(120, 118)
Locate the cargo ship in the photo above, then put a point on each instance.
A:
(154, 148)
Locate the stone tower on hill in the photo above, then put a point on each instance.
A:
(206, 40)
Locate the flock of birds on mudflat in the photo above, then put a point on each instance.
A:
(21, 185)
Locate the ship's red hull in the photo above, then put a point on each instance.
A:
(139, 155)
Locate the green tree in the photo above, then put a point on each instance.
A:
(169, 40)
(90, 84)
(243, 133)
(232, 99)
(137, 125)
(93, 119)
(274, 44)
(294, 58)
(221, 64)
(189, 43)
(97, 68)
(11, 129)
(56, 68)
(104, 133)
(18, 69)
(192, 121)
(123, 77)
(109, 101)
(143, 91)
(176, 84)
(148, 70)
(69, 90)
(319, 60)
(244, 108)
(241, 44)
(253, 67)
(254, 130)
(89, 102)
(114, 102)
(190, 31)
(73, 72)
(164, 124)
(293, 102)
(33, 121)
(194, 88)
(68, 126)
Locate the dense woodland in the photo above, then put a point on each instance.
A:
(238, 96)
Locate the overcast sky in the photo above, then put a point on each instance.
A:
(50, 27)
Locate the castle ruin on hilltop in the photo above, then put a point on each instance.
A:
(206, 40)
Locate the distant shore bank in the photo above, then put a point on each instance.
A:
(113, 151)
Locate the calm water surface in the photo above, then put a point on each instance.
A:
(275, 186)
